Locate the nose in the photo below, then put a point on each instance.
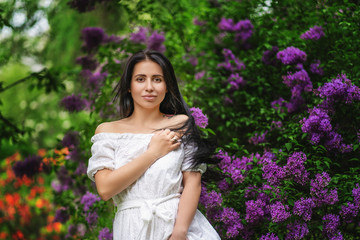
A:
(149, 85)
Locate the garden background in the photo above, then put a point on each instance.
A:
(276, 82)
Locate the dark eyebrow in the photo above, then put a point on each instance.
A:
(143, 75)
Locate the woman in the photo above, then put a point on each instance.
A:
(151, 160)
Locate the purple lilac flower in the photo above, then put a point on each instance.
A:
(276, 125)
(95, 80)
(298, 82)
(303, 208)
(55, 184)
(226, 25)
(88, 200)
(316, 69)
(356, 195)
(155, 42)
(231, 62)
(291, 56)
(61, 215)
(269, 56)
(339, 89)
(71, 231)
(231, 219)
(257, 138)
(223, 185)
(71, 139)
(269, 236)
(234, 166)
(139, 36)
(81, 169)
(254, 211)
(295, 104)
(244, 29)
(213, 200)
(235, 81)
(197, 22)
(331, 222)
(317, 124)
(273, 173)
(193, 61)
(279, 212)
(65, 180)
(29, 167)
(105, 234)
(93, 37)
(200, 118)
(91, 218)
(278, 104)
(87, 62)
(200, 75)
(335, 141)
(295, 168)
(73, 103)
(319, 193)
(314, 33)
(297, 231)
(349, 212)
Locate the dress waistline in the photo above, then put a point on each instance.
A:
(149, 208)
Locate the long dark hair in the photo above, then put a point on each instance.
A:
(172, 104)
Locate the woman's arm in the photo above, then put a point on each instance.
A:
(111, 182)
(188, 204)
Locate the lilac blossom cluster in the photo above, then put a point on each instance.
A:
(153, 42)
(236, 81)
(61, 215)
(229, 218)
(231, 63)
(291, 56)
(269, 56)
(73, 103)
(331, 223)
(258, 138)
(279, 212)
(339, 89)
(88, 200)
(349, 211)
(29, 167)
(93, 37)
(319, 193)
(200, 118)
(255, 211)
(234, 166)
(297, 230)
(303, 208)
(269, 236)
(314, 33)
(243, 29)
(298, 82)
(316, 69)
(319, 127)
(105, 234)
(293, 170)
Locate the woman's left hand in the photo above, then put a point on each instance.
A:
(178, 236)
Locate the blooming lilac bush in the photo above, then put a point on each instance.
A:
(288, 137)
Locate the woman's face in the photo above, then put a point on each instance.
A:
(147, 87)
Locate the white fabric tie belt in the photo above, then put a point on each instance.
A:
(149, 208)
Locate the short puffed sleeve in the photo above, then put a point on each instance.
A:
(189, 150)
(103, 154)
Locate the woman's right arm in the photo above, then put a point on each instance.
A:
(111, 182)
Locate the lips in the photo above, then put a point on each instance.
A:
(149, 97)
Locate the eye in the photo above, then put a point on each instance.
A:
(157, 79)
(140, 79)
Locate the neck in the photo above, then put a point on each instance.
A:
(146, 117)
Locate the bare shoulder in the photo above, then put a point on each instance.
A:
(179, 119)
(110, 127)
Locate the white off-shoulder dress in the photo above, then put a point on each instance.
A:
(147, 209)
